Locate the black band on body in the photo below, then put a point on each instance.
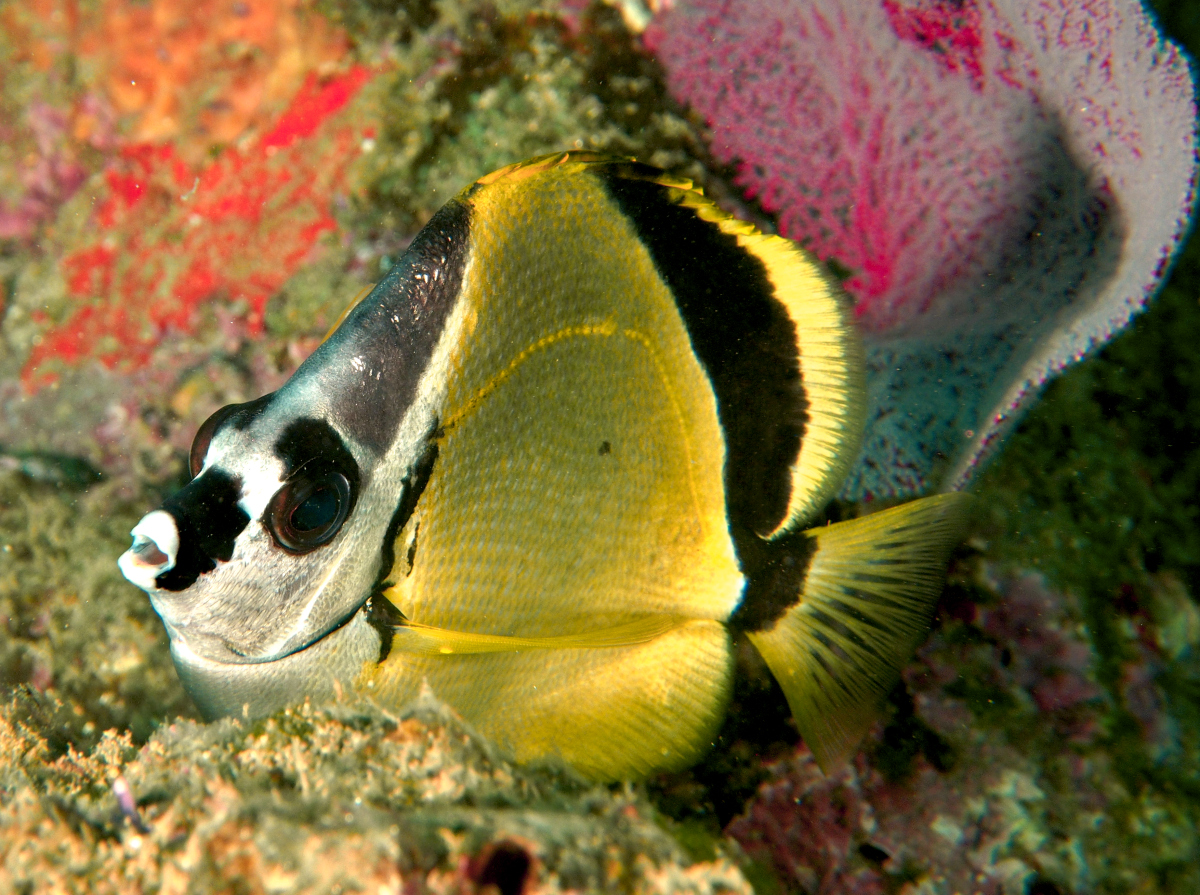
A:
(382, 614)
(385, 618)
(371, 365)
(745, 341)
(780, 569)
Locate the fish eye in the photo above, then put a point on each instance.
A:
(306, 513)
(204, 437)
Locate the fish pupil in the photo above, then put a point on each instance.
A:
(317, 511)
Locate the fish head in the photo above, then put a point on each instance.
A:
(262, 565)
(241, 562)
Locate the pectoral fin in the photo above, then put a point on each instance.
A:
(429, 640)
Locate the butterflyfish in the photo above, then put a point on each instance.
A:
(549, 468)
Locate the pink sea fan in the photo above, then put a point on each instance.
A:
(913, 179)
(1005, 182)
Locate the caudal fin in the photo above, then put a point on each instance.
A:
(866, 605)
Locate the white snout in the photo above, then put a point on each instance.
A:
(155, 546)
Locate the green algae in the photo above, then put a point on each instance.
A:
(311, 301)
(1105, 466)
(468, 88)
(1096, 491)
(519, 83)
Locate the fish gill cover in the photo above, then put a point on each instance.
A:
(1004, 184)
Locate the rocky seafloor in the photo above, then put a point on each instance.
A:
(1046, 738)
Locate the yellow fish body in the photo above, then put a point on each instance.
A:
(547, 468)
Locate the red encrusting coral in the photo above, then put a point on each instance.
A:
(172, 237)
(78, 79)
(205, 72)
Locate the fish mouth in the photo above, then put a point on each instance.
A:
(221, 679)
(154, 551)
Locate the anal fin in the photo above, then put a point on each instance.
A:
(866, 605)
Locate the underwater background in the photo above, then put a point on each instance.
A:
(190, 193)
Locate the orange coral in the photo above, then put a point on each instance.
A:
(205, 72)
(202, 73)
(223, 178)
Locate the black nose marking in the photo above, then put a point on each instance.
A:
(208, 517)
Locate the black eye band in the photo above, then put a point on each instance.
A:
(208, 518)
(320, 491)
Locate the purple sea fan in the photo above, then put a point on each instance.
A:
(1005, 182)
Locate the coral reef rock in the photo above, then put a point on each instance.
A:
(340, 799)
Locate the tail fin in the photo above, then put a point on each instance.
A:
(868, 597)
